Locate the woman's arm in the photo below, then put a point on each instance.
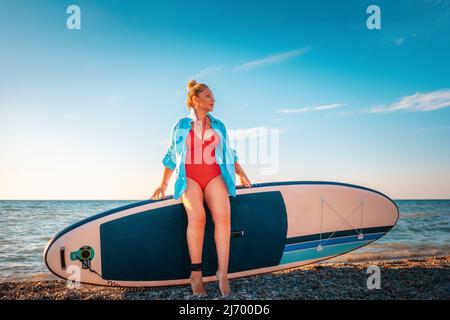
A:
(240, 172)
(167, 173)
(238, 169)
(169, 166)
(161, 189)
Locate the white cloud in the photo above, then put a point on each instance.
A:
(398, 41)
(329, 106)
(277, 58)
(207, 72)
(299, 110)
(318, 108)
(417, 102)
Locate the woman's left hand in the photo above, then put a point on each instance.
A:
(245, 181)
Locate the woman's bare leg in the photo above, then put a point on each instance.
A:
(193, 203)
(218, 201)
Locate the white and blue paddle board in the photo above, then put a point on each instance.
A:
(274, 226)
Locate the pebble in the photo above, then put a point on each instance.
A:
(426, 278)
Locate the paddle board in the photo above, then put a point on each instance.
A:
(275, 226)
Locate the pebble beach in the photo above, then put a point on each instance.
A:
(423, 279)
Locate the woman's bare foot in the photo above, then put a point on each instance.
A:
(224, 285)
(198, 289)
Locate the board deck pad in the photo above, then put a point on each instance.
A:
(152, 245)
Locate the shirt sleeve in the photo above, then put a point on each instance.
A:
(169, 159)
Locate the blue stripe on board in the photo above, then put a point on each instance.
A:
(327, 251)
(337, 234)
(332, 241)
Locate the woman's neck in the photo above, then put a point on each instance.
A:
(200, 115)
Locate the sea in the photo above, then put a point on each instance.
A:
(26, 226)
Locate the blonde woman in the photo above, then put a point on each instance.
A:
(205, 168)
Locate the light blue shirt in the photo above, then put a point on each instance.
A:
(176, 155)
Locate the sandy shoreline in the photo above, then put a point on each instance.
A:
(425, 278)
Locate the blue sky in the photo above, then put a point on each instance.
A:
(86, 114)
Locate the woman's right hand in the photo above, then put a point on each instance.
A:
(159, 192)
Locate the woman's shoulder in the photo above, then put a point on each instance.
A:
(182, 122)
(218, 121)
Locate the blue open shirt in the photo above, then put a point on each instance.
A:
(176, 155)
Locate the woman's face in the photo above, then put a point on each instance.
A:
(205, 100)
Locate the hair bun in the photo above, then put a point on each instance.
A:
(191, 83)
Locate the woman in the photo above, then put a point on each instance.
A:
(205, 168)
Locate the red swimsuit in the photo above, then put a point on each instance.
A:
(200, 163)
